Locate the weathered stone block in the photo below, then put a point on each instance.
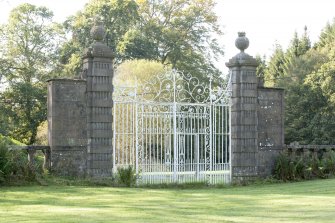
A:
(102, 133)
(67, 110)
(266, 161)
(244, 158)
(100, 149)
(244, 173)
(243, 106)
(248, 93)
(98, 164)
(67, 141)
(71, 161)
(100, 87)
(248, 78)
(244, 134)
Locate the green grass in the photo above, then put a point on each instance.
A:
(310, 201)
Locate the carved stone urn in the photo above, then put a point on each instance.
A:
(242, 42)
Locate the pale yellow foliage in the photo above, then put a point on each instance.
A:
(42, 134)
(132, 71)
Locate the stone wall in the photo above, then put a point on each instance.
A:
(270, 128)
(67, 126)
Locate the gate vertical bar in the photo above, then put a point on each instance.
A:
(210, 130)
(175, 150)
(114, 138)
(230, 144)
(198, 156)
(136, 133)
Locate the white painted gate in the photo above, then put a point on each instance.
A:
(173, 129)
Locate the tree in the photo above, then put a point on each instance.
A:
(118, 17)
(179, 33)
(309, 105)
(133, 72)
(25, 109)
(322, 81)
(299, 46)
(327, 36)
(307, 74)
(149, 77)
(260, 72)
(275, 67)
(324, 77)
(28, 58)
(280, 61)
(303, 105)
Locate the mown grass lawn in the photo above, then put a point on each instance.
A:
(312, 201)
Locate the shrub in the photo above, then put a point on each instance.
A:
(328, 163)
(291, 167)
(5, 165)
(126, 176)
(14, 165)
(282, 167)
(316, 167)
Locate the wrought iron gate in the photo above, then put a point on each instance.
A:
(173, 129)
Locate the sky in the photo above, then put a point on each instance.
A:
(265, 22)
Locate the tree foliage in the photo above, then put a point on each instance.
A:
(136, 72)
(307, 75)
(275, 67)
(28, 46)
(179, 33)
(28, 58)
(118, 17)
(261, 68)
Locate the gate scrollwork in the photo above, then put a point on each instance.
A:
(175, 86)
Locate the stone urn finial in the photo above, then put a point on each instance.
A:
(98, 48)
(242, 42)
(242, 58)
(98, 30)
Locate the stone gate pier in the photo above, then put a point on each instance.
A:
(257, 118)
(80, 115)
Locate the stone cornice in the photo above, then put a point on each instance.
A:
(242, 59)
